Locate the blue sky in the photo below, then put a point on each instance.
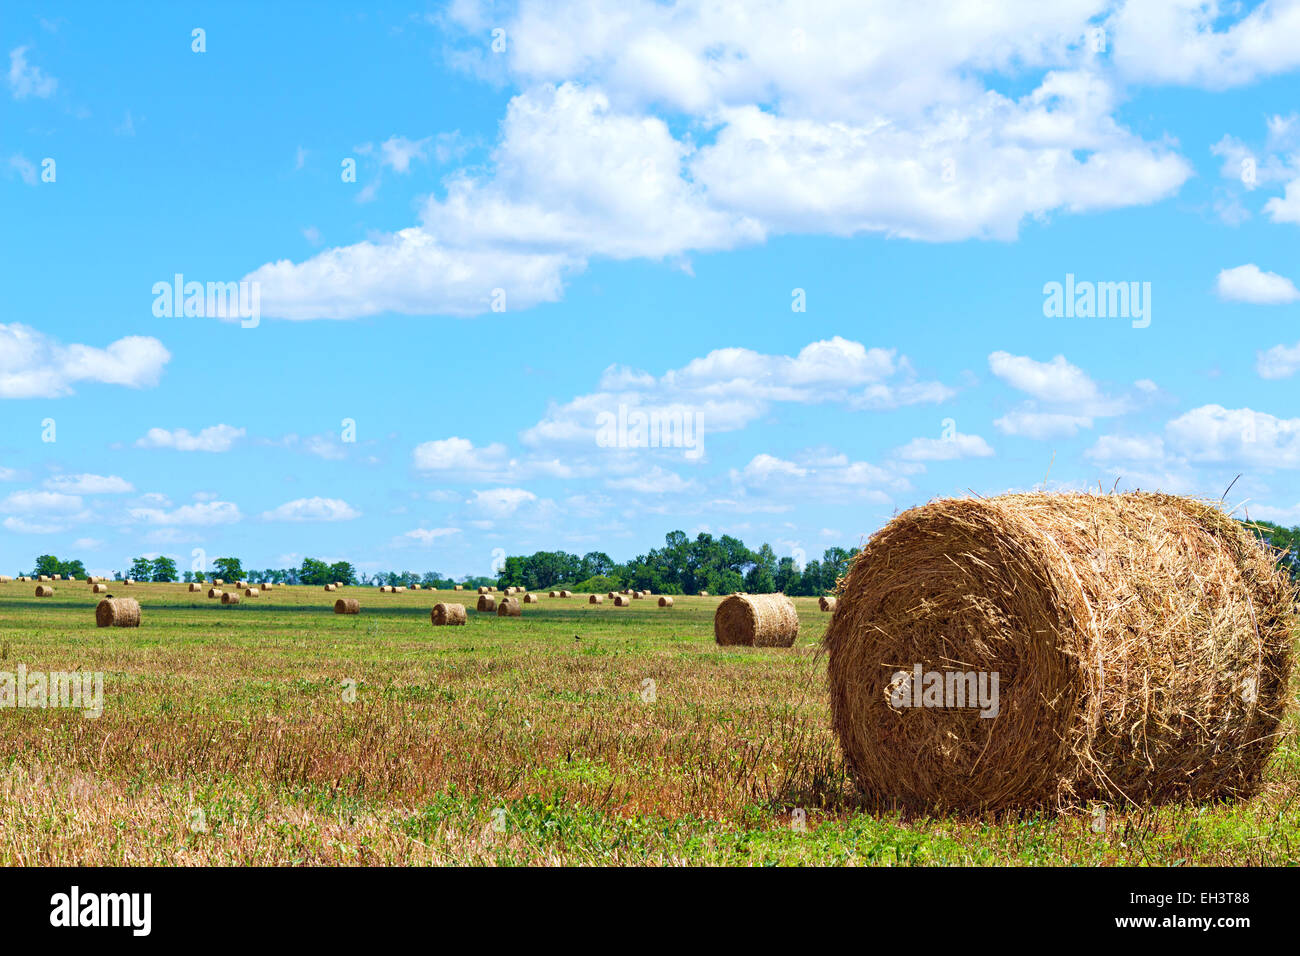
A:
(640, 189)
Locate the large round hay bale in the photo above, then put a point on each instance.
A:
(229, 597)
(195, 587)
(554, 594)
(99, 589)
(448, 614)
(117, 612)
(89, 580)
(1142, 644)
(347, 606)
(486, 602)
(595, 599)
(44, 590)
(400, 589)
(483, 589)
(826, 603)
(566, 594)
(242, 585)
(214, 592)
(665, 601)
(532, 599)
(330, 587)
(622, 600)
(267, 586)
(756, 620)
(510, 607)
(4, 579)
(252, 592)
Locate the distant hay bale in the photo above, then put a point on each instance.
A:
(267, 586)
(99, 589)
(415, 587)
(127, 581)
(492, 588)
(555, 594)
(347, 606)
(229, 597)
(195, 587)
(704, 594)
(252, 592)
(627, 591)
(756, 620)
(483, 589)
(1142, 642)
(58, 577)
(826, 603)
(448, 615)
(43, 577)
(4, 579)
(611, 594)
(218, 581)
(90, 580)
(595, 599)
(665, 601)
(510, 607)
(566, 594)
(43, 590)
(242, 585)
(214, 592)
(459, 587)
(117, 612)
(330, 587)
(486, 602)
(400, 589)
(622, 600)
(532, 599)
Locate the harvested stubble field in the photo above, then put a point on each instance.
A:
(277, 732)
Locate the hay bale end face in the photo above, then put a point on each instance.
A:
(826, 603)
(448, 615)
(510, 607)
(43, 590)
(595, 599)
(756, 620)
(229, 597)
(665, 601)
(486, 602)
(117, 612)
(1142, 644)
(347, 606)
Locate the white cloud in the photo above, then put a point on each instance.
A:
(1281, 361)
(217, 438)
(501, 502)
(1249, 283)
(1073, 399)
(458, 456)
(26, 79)
(770, 483)
(1285, 208)
(398, 152)
(202, 514)
(1110, 449)
(312, 509)
(40, 503)
(427, 536)
(90, 484)
(33, 365)
(8, 474)
(1033, 424)
(653, 481)
(1054, 381)
(24, 167)
(88, 544)
(1213, 433)
(945, 449)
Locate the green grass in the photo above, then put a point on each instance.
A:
(229, 737)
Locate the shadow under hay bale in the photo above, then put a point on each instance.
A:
(117, 612)
(347, 606)
(756, 620)
(486, 602)
(448, 615)
(1142, 644)
(510, 607)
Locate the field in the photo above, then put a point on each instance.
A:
(276, 732)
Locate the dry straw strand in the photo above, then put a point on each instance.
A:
(1142, 642)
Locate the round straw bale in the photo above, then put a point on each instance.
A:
(117, 612)
(492, 588)
(267, 585)
(57, 577)
(486, 602)
(704, 594)
(5, 579)
(128, 581)
(91, 580)
(252, 592)
(196, 587)
(415, 587)
(330, 587)
(611, 594)
(532, 599)
(1142, 644)
(566, 594)
(215, 592)
(510, 607)
(459, 587)
(241, 584)
(826, 603)
(596, 599)
(448, 614)
(483, 589)
(665, 601)
(555, 594)
(229, 597)
(218, 581)
(43, 577)
(400, 589)
(347, 606)
(621, 600)
(44, 590)
(99, 589)
(756, 620)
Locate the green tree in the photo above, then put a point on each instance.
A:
(228, 569)
(73, 569)
(47, 564)
(163, 570)
(314, 571)
(344, 573)
(141, 570)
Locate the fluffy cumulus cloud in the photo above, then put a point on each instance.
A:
(312, 509)
(1251, 284)
(33, 365)
(1064, 399)
(1281, 361)
(89, 484)
(945, 449)
(217, 438)
(202, 514)
(769, 482)
(652, 131)
(501, 502)
(26, 79)
(427, 536)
